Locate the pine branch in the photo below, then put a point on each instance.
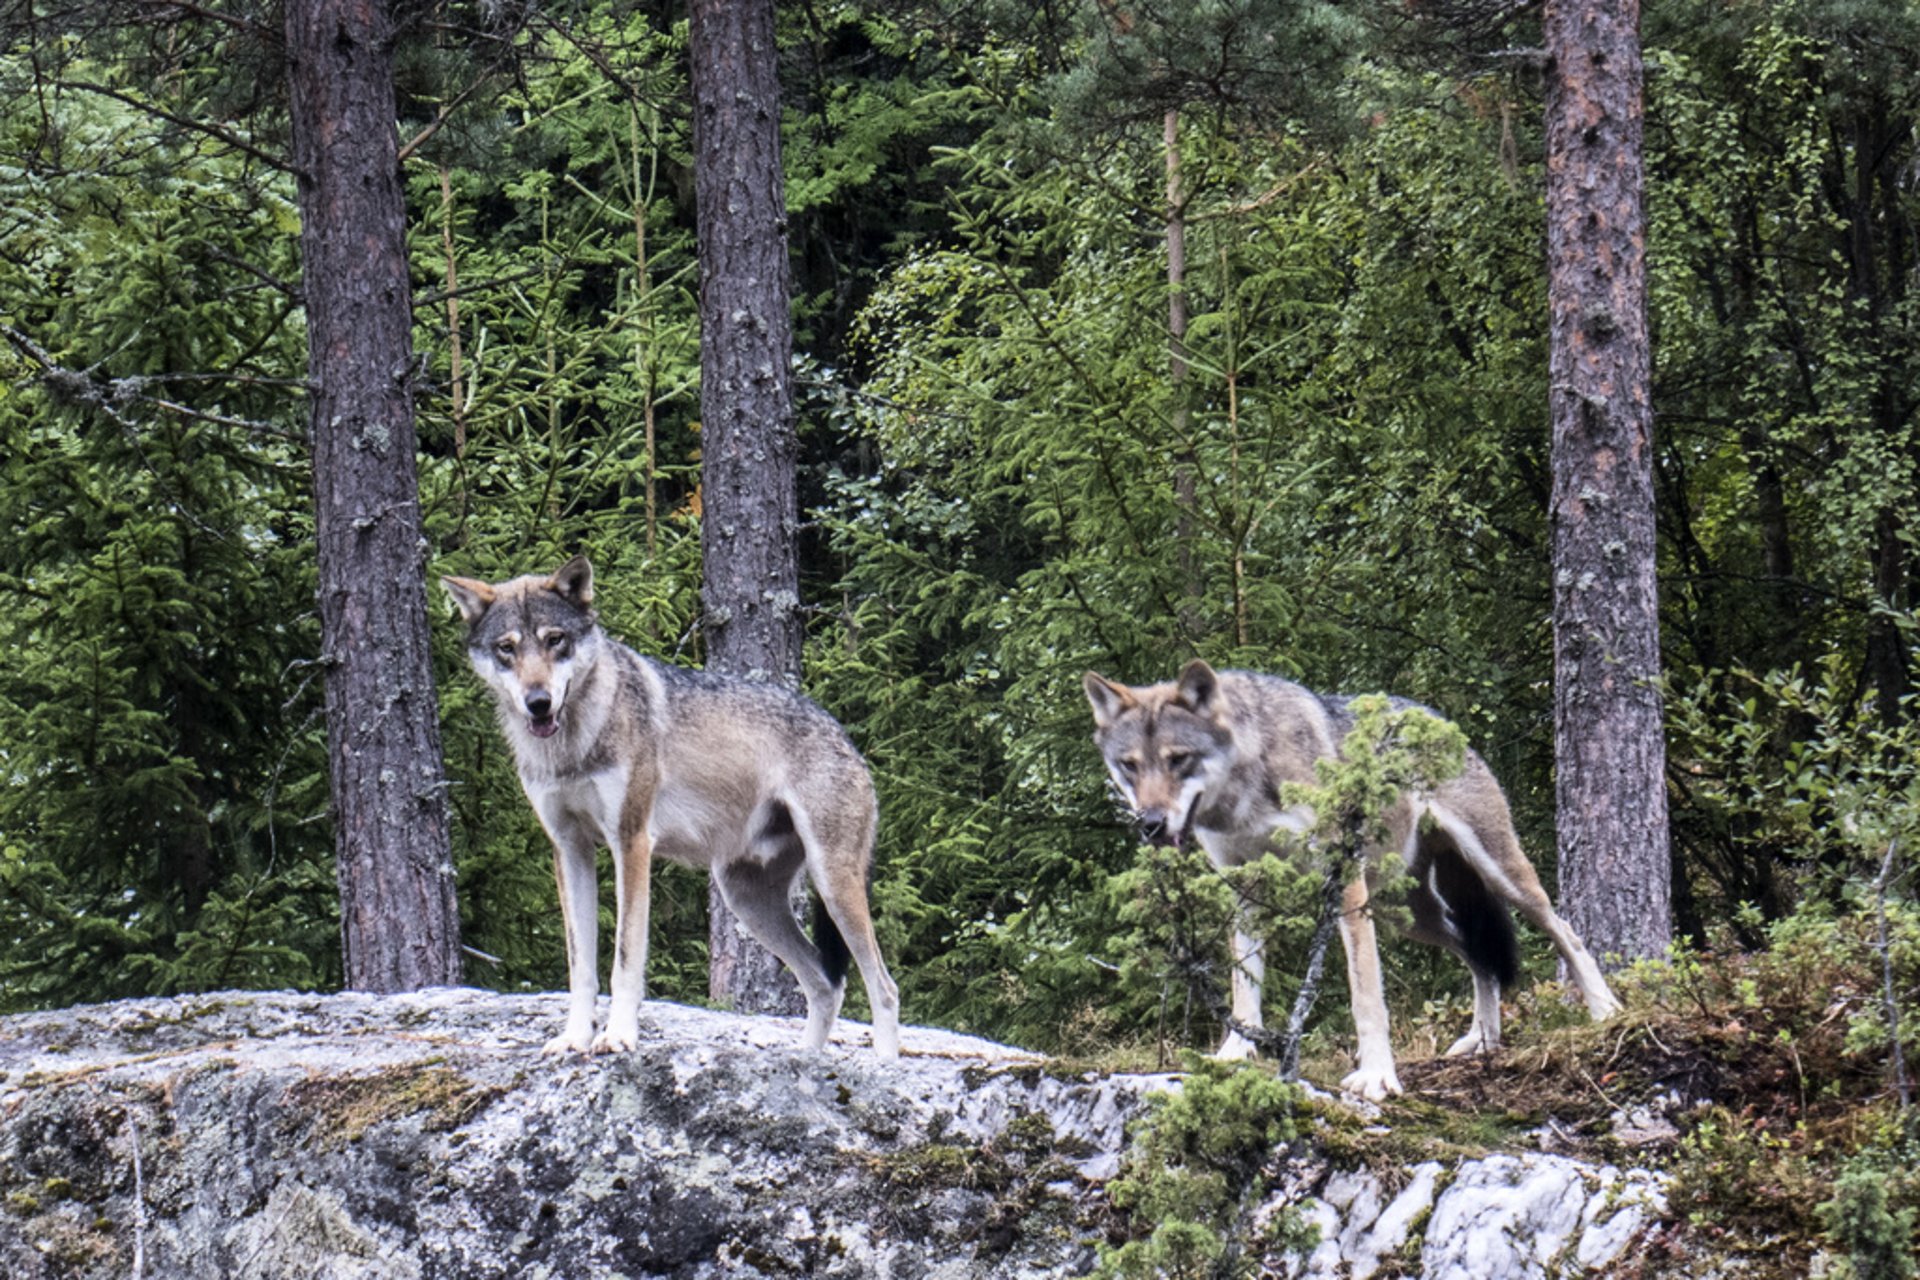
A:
(106, 396)
(1330, 892)
(272, 161)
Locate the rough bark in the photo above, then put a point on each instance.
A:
(1614, 865)
(1889, 658)
(750, 520)
(1184, 492)
(398, 922)
(1878, 232)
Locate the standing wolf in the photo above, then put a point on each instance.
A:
(744, 778)
(1204, 756)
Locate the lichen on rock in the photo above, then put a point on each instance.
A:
(424, 1136)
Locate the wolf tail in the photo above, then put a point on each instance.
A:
(1479, 919)
(1487, 936)
(834, 954)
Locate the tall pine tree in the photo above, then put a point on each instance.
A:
(750, 520)
(1610, 755)
(399, 926)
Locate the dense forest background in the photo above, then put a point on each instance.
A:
(1010, 471)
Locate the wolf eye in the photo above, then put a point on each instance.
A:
(1129, 766)
(504, 650)
(1179, 760)
(560, 643)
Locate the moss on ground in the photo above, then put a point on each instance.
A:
(343, 1108)
(1016, 1170)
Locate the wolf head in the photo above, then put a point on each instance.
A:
(531, 640)
(1165, 745)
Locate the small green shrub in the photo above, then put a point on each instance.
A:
(1734, 1171)
(1860, 1219)
(1197, 1170)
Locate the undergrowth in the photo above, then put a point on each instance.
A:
(1761, 1081)
(1196, 1172)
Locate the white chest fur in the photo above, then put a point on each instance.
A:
(590, 804)
(683, 822)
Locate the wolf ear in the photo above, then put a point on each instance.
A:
(474, 598)
(1109, 700)
(1197, 687)
(574, 581)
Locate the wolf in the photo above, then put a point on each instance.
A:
(1203, 757)
(744, 778)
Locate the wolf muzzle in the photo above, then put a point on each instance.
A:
(540, 716)
(1156, 828)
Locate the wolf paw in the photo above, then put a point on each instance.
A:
(1372, 1084)
(1475, 1041)
(1235, 1048)
(564, 1044)
(611, 1041)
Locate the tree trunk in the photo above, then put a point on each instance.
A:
(399, 925)
(749, 522)
(1615, 870)
(646, 350)
(1881, 291)
(1185, 497)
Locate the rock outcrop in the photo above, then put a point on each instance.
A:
(423, 1135)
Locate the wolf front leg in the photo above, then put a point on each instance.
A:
(632, 891)
(1374, 1078)
(1248, 977)
(573, 872)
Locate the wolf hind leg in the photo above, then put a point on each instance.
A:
(755, 886)
(849, 915)
(1453, 908)
(839, 855)
(1484, 1035)
(1599, 998)
(1493, 851)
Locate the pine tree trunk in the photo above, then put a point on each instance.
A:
(749, 522)
(1889, 657)
(1611, 758)
(399, 925)
(1185, 497)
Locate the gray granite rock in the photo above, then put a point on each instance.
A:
(424, 1137)
(1501, 1217)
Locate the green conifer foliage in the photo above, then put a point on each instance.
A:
(162, 771)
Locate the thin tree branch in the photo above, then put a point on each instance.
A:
(446, 113)
(237, 21)
(284, 287)
(1330, 892)
(1902, 1085)
(279, 163)
(105, 396)
(434, 297)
